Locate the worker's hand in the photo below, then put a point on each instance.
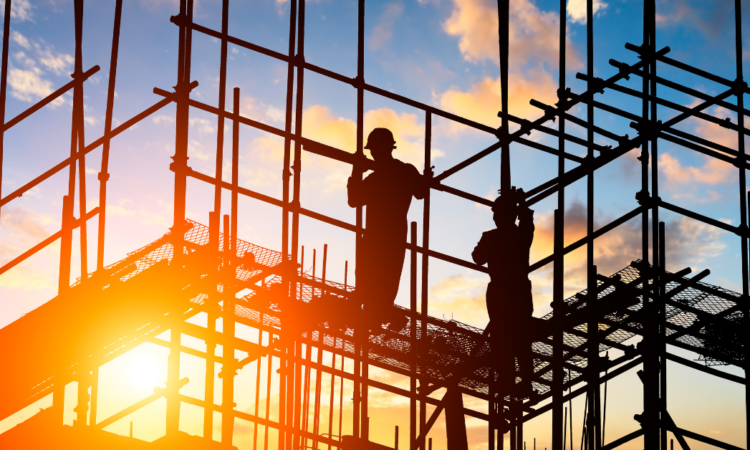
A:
(359, 162)
(525, 213)
(521, 196)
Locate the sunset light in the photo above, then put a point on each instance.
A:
(144, 371)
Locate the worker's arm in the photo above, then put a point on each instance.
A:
(480, 253)
(421, 185)
(356, 187)
(356, 192)
(526, 224)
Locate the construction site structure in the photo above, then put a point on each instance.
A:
(196, 268)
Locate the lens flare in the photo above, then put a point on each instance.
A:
(143, 371)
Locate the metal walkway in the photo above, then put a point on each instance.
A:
(150, 290)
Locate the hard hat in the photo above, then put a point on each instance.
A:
(380, 137)
(509, 200)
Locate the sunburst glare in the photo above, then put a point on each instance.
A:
(144, 371)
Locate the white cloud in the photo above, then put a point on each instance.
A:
(383, 31)
(59, 63)
(19, 10)
(162, 119)
(202, 125)
(27, 82)
(28, 86)
(577, 9)
(19, 39)
(533, 34)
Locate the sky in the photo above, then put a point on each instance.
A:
(442, 53)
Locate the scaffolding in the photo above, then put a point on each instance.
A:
(209, 265)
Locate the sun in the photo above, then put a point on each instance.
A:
(144, 371)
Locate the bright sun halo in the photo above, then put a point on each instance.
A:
(143, 371)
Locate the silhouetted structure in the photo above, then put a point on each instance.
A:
(505, 250)
(387, 194)
(206, 268)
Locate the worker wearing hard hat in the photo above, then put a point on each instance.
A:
(505, 250)
(387, 194)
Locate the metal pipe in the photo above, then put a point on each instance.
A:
(104, 172)
(257, 385)
(229, 368)
(413, 330)
(360, 367)
(222, 102)
(78, 126)
(4, 85)
(424, 306)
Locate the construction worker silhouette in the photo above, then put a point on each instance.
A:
(387, 194)
(505, 250)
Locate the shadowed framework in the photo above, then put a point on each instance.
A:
(206, 267)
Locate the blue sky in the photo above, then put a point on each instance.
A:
(439, 52)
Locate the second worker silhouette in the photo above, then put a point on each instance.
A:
(386, 193)
(505, 250)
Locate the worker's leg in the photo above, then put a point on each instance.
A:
(390, 263)
(524, 354)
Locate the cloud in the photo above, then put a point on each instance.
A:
(20, 10)
(533, 34)
(28, 86)
(482, 101)
(577, 9)
(162, 119)
(202, 125)
(27, 82)
(19, 39)
(321, 125)
(60, 63)
(688, 242)
(711, 19)
(26, 226)
(383, 30)
(20, 229)
(256, 110)
(714, 132)
(156, 215)
(460, 293)
(713, 172)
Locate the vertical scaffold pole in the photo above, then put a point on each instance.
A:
(557, 337)
(594, 437)
(649, 345)
(413, 329)
(424, 307)
(503, 16)
(4, 84)
(258, 365)
(179, 166)
(104, 172)
(286, 174)
(80, 140)
(229, 369)
(659, 379)
(182, 119)
(503, 30)
(296, 202)
(84, 379)
(559, 263)
(235, 177)
(222, 105)
(208, 413)
(359, 426)
(740, 93)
